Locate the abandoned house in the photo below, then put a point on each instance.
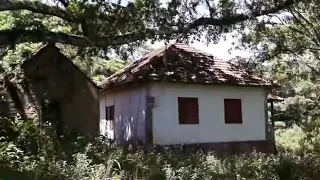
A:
(54, 89)
(173, 95)
(180, 95)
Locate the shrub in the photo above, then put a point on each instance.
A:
(8, 131)
(290, 139)
(101, 159)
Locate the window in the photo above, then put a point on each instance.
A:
(188, 110)
(232, 111)
(110, 112)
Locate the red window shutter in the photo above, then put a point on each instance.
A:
(188, 110)
(232, 111)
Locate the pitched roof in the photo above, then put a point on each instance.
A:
(51, 46)
(184, 64)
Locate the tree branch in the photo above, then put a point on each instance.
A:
(14, 36)
(239, 18)
(37, 7)
(41, 8)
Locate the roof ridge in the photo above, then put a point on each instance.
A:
(214, 70)
(43, 48)
(198, 51)
(38, 51)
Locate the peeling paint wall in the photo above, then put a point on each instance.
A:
(129, 113)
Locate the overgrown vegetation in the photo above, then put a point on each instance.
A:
(30, 152)
(285, 44)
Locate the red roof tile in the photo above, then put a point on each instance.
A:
(185, 64)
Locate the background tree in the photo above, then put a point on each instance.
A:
(105, 23)
(91, 31)
(286, 46)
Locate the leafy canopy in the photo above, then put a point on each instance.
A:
(104, 23)
(286, 47)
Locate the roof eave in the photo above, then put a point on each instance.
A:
(110, 86)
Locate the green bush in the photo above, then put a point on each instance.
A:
(290, 139)
(36, 153)
(8, 131)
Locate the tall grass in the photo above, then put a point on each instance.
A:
(35, 153)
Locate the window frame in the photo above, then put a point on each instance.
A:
(233, 111)
(188, 117)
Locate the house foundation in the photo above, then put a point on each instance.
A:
(223, 149)
(238, 147)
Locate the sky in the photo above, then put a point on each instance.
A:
(219, 50)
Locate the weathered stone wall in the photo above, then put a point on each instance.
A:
(53, 89)
(15, 98)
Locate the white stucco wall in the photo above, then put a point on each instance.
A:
(129, 113)
(102, 121)
(212, 127)
(105, 126)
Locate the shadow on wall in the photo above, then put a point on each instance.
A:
(124, 130)
(17, 98)
(129, 115)
(60, 93)
(128, 131)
